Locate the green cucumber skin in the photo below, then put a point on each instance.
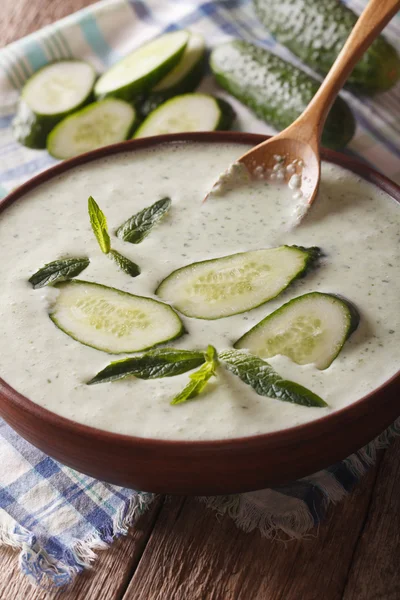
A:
(179, 334)
(353, 320)
(188, 84)
(311, 257)
(298, 24)
(237, 66)
(228, 115)
(31, 128)
(130, 91)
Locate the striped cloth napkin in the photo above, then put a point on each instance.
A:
(57, 517)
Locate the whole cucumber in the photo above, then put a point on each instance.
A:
(316, 30)
(275, 90)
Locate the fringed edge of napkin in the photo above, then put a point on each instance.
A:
(48, 573)
(290, 517)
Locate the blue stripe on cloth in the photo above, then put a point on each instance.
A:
(6, 121)
(3, 192)
(28, 168)
(34, 53)
(96, 40)
(142, 11)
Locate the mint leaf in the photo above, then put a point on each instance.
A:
(98, 222)
(58, 270)
(125, 264)
(199, 379)
(135, 229)
(265, 380)
(162, 362)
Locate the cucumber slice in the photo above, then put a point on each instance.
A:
(143, 68)
(183, 78)
(189, 112)
(48, 96)
(111, 320)
(308, 329)
(221, 287)
(99, 124)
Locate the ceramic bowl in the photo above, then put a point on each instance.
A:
(209, 467)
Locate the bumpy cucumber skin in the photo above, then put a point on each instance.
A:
(275, 90)
(311, 257)
(130, 91)
(316, 30)
(352, 323)
(31, 128)
(179, 333)
(146, 104)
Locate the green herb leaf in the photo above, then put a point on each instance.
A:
(162, 362)
(58, 270)
(98, 222)
(125, 264)
(135, 229)
(265, 380)
(199, 379)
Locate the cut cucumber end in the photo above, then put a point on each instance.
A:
(59, 87)
(310, 329)
(221, 287)
(191, 57)
(99, 124)
(188, 112)
(143, 68)
(111, 320)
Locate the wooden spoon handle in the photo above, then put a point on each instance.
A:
(370, 23)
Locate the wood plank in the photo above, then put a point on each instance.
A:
(107, 581)
(20, 17)
(374, 574)
(193, 555)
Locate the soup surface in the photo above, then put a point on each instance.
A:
(354, 223)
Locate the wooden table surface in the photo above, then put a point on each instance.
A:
(181, 551)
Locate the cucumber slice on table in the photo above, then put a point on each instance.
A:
(316, 31)
(233, 284)
(277, 91)
(143, 68)
(308, 329)
(183, 78)
(189, 112)
(99, 124)
(48, 96)
(111, 320)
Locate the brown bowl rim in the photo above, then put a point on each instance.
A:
(279, 437)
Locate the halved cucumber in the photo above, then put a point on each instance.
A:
(143, 68)
(233, 284)
(183, 78)
(308, 329)
(99, 124)
(48, 96)
(189, 112)
(111, 320)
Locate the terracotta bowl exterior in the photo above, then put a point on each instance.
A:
(209, 467)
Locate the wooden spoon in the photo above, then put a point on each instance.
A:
(300, 141)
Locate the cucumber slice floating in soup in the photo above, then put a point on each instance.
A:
(221, 287)
(308, 329)
(183, 78)
(51, 94)
(189, 112)
(99, 124)
(111, 320)
(143, 68)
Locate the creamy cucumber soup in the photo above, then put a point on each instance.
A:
(353, 223)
